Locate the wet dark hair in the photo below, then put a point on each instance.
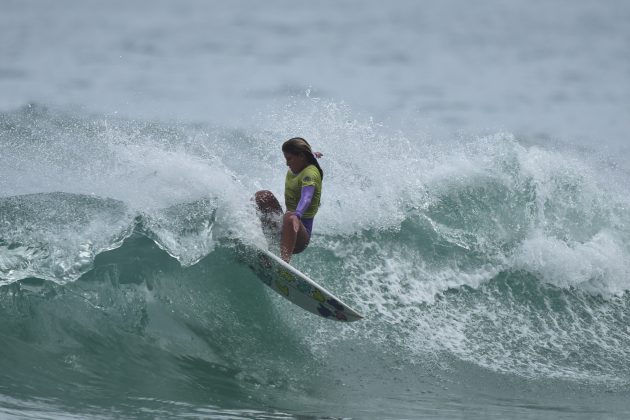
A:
(299, 146)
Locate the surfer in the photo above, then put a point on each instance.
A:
(302, 191)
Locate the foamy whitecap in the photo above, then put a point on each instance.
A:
(600, 265)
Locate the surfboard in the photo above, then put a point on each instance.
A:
(296, 286)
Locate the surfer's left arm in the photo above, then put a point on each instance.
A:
(306, 197)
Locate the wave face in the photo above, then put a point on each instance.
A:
(490, 268)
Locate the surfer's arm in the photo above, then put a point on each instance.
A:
(306, 197)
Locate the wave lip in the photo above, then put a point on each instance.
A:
(56, 236)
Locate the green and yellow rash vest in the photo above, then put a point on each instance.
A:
(293, 189)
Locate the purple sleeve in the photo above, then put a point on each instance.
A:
(305, 200)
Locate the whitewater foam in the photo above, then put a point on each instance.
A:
(600, 265)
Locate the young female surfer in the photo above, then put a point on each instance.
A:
(302, 190)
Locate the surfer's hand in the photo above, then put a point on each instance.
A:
(318, 154)
(295, 220)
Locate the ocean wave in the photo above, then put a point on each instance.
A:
(116, 246)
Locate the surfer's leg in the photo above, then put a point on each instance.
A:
(270, 212)
(295, 237)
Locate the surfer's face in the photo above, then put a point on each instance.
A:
(295, 162)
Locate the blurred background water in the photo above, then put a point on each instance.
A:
(556, 69)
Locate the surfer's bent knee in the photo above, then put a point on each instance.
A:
(263, 197)
(266, 202)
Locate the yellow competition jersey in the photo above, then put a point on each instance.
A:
(293, 189)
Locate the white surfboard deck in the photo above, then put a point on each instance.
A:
(295, 286)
